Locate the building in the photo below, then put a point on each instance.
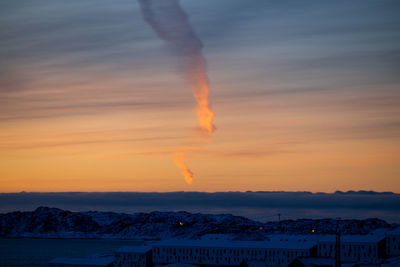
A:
(393, 242)
(353, 248)
(135, 256)
(312, 262)
(377, 249)
(253, 264)
(273, 253)
(392, 262)
(82, 262)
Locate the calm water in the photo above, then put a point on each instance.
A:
(38, 252)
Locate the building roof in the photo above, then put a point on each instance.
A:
(103, 261)
(392, 262)
(290, 244)
(317, 261)
(256, 264)
(179, 265)
(395, 231)
(369, 238)
(134, 249)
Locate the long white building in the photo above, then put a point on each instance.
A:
(393, 242)
(353, 248)
(82, 262)
(274, 253)
(280, 250)
(133, 256)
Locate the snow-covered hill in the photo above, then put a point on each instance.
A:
(57, 223)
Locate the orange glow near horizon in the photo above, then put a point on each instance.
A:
(102, 150)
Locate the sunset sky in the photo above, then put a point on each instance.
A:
(306, 96)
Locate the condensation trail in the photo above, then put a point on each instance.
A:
(171, 24)
(179, 159)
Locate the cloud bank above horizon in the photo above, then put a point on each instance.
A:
(263, 206)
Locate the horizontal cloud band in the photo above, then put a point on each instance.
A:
(256, 205)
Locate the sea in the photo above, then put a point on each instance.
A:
(38, 252)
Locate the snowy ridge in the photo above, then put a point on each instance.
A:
(56, 223)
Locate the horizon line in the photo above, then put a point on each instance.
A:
(205, 192)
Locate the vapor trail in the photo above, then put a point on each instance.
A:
(179, 159)
(171, 24)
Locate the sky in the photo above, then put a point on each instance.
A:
(305, 95)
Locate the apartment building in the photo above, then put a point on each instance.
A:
(133, 256)
(274, 253)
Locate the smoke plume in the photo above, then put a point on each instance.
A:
(179, 159)
(171, 24)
